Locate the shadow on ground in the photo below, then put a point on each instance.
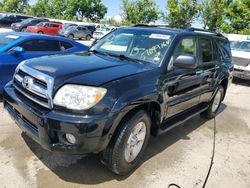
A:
(88, 170)
(242, 82)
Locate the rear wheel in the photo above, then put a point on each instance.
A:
(128, 144)
(71, 36)
(23, 30)
(214, 104)
(40, 32)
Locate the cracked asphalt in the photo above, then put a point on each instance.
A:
(181, 156)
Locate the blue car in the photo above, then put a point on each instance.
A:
(16, 47)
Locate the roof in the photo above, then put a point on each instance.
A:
(175, 30)
(33, 35)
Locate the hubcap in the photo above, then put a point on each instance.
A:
(135, 142)
(216, 102)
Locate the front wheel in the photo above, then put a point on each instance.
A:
(214, 104)
(127, 147)
(71, 36)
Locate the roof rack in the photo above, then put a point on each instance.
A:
(204, 31)
(159, 26)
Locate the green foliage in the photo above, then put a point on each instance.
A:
(93, 10)
(181, 13)
(15, 6)
(237, 16)
(139, 11)
(211, 13)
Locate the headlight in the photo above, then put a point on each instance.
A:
(78, 97)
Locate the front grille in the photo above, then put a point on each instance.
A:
(34, 85)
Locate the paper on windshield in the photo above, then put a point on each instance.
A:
(159, 36)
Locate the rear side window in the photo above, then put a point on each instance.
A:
(206, 50)
(187, 46)
(65, 46)
(38, 45)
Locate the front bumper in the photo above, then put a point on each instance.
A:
(48, 127)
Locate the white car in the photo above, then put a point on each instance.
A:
(241, 59)
(99, 33)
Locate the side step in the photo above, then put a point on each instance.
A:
(176, 120)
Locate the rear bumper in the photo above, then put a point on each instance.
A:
(48, 128)
(242, 74)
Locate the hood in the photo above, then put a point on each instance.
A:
(86, 68)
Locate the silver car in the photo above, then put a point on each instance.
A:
(78, 32)
(241, 59)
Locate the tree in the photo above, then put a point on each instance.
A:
(93, 10)
(181, 13)
(211, 13)
(139, 11)
(40, 9)
(237, 19)
(14, 6)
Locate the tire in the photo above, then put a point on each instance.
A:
(88, 37)
(71, 36)
(40, 32)
(117, 156)
(217, 99)
(23, 30)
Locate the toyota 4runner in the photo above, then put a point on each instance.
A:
(133, 83)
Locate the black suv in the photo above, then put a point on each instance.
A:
(22, 26)
(133, 83)
(8, 19)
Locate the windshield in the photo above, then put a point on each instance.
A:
(143, 45)
(241, 46)
(7, 39)
(41, 24)
(71, 27)
(24, 22)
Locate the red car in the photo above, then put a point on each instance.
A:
(49, 28)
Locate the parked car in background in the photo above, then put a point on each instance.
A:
(91, 28)
(79, 32)
(16, 47)
(48, 28)
(65, 26)
(241, 59)
(133, 83)
(8, 19)
(99, 33)
(22, 26)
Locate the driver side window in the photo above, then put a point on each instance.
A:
(187, 46)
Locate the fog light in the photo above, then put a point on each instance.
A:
(70, 138)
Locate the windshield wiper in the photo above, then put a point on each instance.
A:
(122, 56)
(98, 52)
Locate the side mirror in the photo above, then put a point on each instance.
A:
(186, 61)
(17, 50)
